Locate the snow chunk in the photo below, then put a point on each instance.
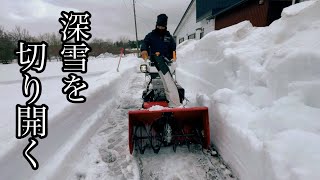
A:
(294, 154)
(296, 8)
(157, 108)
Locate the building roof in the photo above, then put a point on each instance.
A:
(210, 9)
(235, 4)
(185, 13)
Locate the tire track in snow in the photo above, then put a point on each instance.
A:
(107, 155)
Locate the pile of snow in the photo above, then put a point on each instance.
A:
(156, 108)
(101, 77)
(106, 55)
(262, 88)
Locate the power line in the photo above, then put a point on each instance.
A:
(147, 26)
(123, 1)
(144, 26)
(143, 6)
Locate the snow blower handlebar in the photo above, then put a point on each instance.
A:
(145, 56)
(144, 68)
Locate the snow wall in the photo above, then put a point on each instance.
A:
(262, 88)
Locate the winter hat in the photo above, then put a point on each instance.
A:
(162, 20)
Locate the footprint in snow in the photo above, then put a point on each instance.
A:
(107, 155)
(111, 140)
(81, 176)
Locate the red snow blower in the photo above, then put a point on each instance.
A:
(158, 124)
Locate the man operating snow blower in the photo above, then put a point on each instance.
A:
(161, 122)
(159, 42)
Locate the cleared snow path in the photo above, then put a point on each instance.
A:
(107, 155)
(183, 164)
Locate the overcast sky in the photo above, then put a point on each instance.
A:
(110, 18)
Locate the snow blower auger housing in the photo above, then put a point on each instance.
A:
(157, 125)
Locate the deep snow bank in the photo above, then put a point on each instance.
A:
(101, 75)
(263, 94)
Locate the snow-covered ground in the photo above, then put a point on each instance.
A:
(261, 86)
(70, 125)
(89, 140)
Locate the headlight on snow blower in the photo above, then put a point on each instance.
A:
(143, 68)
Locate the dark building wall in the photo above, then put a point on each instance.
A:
(207, 8)
(204, 8)
(275, 9)
(250, 10)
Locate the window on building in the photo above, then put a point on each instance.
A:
(192, 36)
(181, 40)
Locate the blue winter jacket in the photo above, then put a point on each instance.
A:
(155, 42)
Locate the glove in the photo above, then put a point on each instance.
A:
(144, 55)
(174, 56)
